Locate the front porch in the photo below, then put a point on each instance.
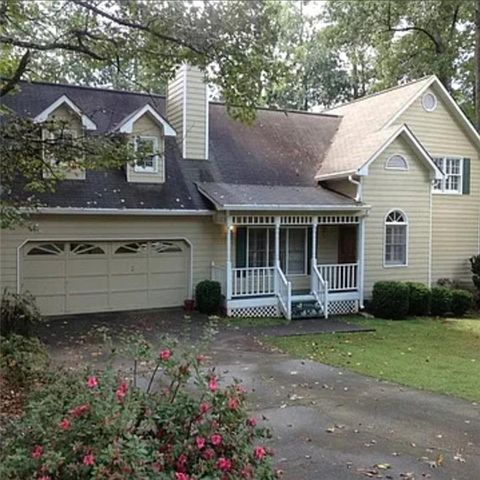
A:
(296, 266)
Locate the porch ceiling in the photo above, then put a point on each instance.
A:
(229, 196)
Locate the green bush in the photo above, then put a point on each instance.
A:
(390, 300)
(462, 301)
(18, 313)
(208, 297)
(419, 296)
(23, 360)
(441, 301)
(84, 425)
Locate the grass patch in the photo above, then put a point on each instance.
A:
(438, 355)
(241, 322)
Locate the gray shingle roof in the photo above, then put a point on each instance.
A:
(280, 148)
(228, 196)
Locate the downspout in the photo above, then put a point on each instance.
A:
(358, 196)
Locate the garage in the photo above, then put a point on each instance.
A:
(69, 277)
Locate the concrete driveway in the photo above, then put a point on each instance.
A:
(327, 423)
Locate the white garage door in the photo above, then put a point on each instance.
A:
(77, 277)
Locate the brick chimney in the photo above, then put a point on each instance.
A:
(187, 111)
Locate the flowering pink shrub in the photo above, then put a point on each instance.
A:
(102, 426)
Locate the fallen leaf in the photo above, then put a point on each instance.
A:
(459, 458)
(383, 466)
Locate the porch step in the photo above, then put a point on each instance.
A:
(306, 309)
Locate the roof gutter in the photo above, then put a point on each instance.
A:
(358, 195)
(296, 208)
(116, 211)
(333, 176)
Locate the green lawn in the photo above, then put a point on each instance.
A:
(437, 355)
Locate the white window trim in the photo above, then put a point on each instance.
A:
(387, 167)
(407, 225)
(139, 169)
(443, 181)
(271, 230)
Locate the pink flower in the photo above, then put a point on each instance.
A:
(204, 407)
(252, 422)
(122, 391)
(216, 439)
(92, 382)
(233, 403)
(64, 424)
(212, 384)
(89, 459)
(200, 442)
(259, 452)
(224, 464)
(80, 410)
(37, 452)
(247, 471)
(181, 476)
(240, 389)
(181, 462)
(208, 454)
(200, 358)
(165, 355)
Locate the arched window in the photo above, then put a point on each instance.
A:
(396, 239)
(396, 162)
(429, 102)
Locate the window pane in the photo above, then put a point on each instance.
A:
(257, 247)
(296, 251)
(396, 245)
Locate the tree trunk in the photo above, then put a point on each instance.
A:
(476, 92)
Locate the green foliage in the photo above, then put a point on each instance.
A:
(462, 301)
(84, 425)
(208, 296)
(475, 268)
(419, 299)
(18, 313)
(390, 300)
(441, 301)
(23, 360)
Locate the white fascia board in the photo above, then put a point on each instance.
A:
(296, 208)
(458, 112)
(64, 100)
(335, 175)
(414, 143)
(115, 211)
(126, 126)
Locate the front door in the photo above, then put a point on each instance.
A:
(347, 244)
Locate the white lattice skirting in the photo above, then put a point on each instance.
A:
(342, 307)
(255, 312)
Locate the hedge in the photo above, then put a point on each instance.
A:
(462, 301)
(208, 297)
(441, 301)
(420, 299)
(390, 300)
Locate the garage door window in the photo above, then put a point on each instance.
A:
(86, 249)
(47, 249)
(165, 247)
(134, 247)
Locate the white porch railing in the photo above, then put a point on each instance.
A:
(340, 276)
(320, 289)
(283, 292)
(253, 281)
(219, 274)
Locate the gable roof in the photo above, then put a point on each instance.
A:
(280, 148)
(368, 123)
(64, 100)
(126, 126)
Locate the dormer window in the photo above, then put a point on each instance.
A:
(146, 148)
(396, 162)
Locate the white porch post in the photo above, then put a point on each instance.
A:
(361, 258)
(229, 258)
(276, 258)
(313, 260)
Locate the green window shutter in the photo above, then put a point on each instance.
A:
(241, 247)
(466, 176)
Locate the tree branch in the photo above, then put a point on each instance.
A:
(21, 67)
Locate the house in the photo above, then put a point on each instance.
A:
(298, 214)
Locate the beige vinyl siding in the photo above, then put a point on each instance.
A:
(187, 97)
(408, 191)
(456, 218)
(145, 125)
(74, 123)
(207, 238)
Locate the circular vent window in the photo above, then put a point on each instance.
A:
(429, 102)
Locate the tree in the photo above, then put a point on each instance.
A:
(313, 74)
(401, 41)
(127, 43)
